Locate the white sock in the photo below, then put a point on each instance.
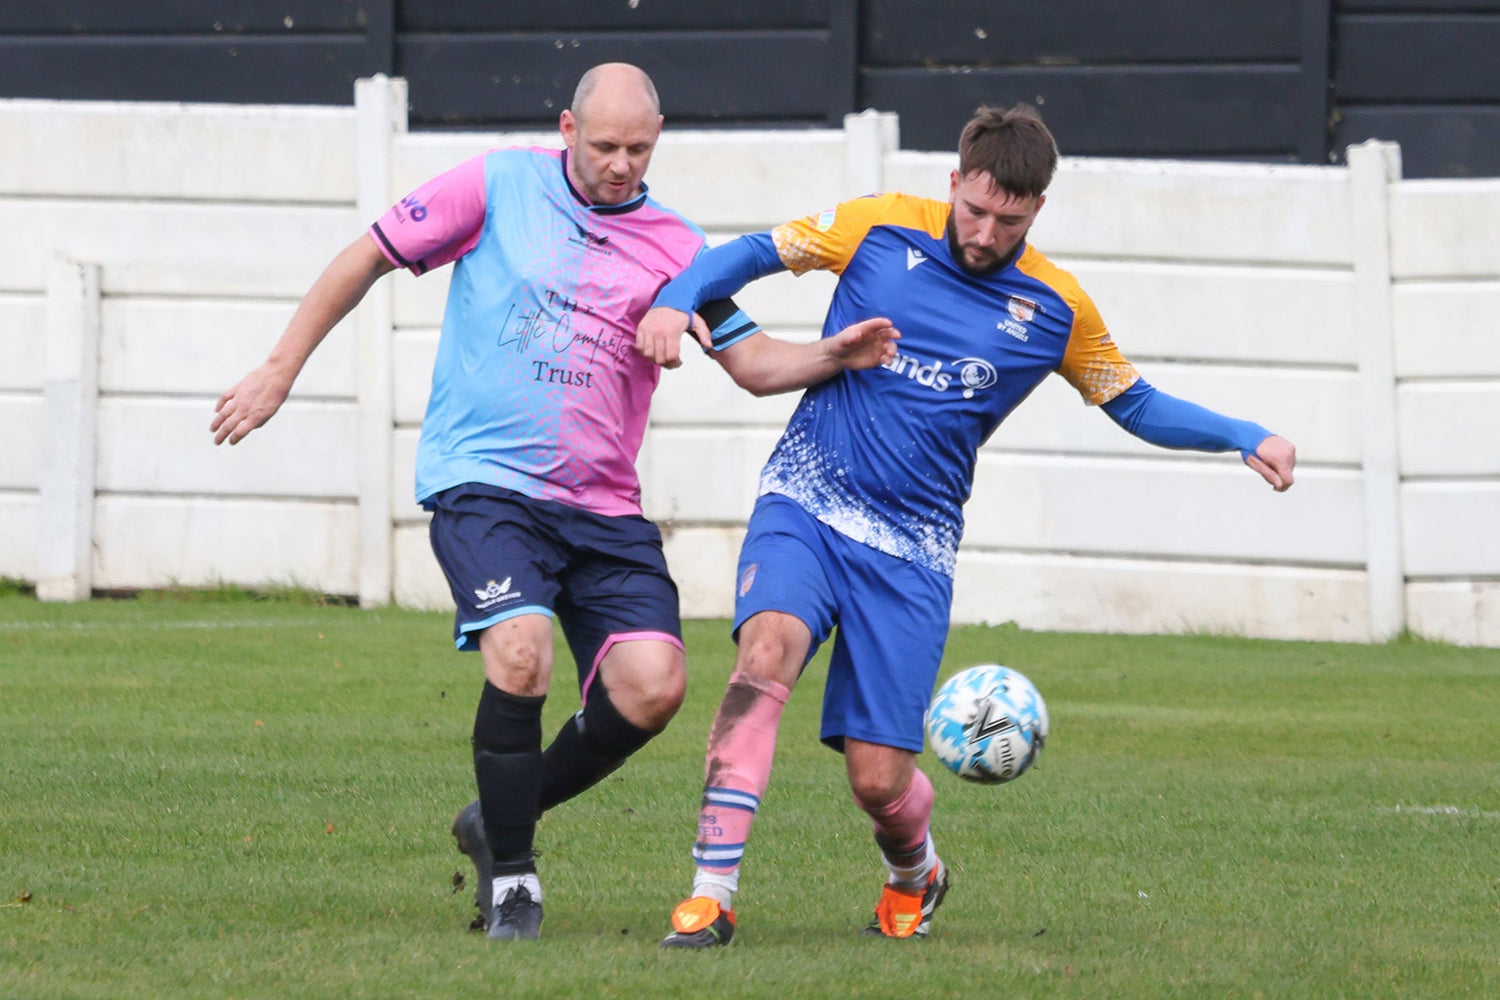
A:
(505, 883)
(914, 879)
(719, 888)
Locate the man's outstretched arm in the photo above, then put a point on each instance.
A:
(256, 397)
(766, 365)
(1168, 422)
(715, 274)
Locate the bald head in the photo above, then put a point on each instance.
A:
(619, 84)
(611, 132)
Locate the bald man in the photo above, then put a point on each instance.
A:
(527, 455)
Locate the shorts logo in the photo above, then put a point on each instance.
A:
(825, 221)
(1021, 309)
(495, 593)
(747, 578)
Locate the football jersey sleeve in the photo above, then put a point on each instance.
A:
(1092, 363)
(437, 223)
(1169, 422)
(826, 241)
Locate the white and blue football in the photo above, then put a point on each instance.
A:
(987, 724)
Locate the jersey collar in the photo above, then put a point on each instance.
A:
(624, 206)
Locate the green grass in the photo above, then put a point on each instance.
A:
(249, 798)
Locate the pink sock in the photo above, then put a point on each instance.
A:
(736, 773)
(901, 828)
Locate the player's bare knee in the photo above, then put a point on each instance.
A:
(647, 690)
(661, 700)
(769, 655)
(878, 775)
(515, 664)
(877, 790)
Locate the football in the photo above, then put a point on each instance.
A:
(987, 724)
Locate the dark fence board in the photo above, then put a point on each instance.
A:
(592, 15)
(1460, 142)
(521, 79)
(307, 70)
(1209, 111)
(1414, 6)
(110, 17)
(983, 33)
(1410, 59)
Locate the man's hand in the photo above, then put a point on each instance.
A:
(253, 401)
(1274, 459)
(257, 396)
(659, 335)
(867, 344)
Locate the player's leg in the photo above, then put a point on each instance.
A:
(783, 610)
(646, 680)
(637, 688)
(499, 563)
(773, 649)
(893, 626)
(618, 609)
(507, 766)
(898, 797)
(619, 612)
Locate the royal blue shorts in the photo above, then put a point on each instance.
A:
(603, 578)
(892, 618)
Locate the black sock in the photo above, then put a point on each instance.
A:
(589, 746)
(507, 759)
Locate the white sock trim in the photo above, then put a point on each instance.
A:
(915, 877)
(719, 888)
(505, 883)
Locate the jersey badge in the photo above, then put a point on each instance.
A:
(914, 257)
(1021, 309)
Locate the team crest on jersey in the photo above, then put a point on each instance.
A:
(1021, 309)
(747, 578)
(825, 220)
(591, 240)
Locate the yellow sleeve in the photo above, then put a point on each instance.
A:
(827, 241)
(1092, 363)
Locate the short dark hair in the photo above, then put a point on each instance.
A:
(1012, 145)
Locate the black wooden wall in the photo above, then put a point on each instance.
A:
(1424, 73)
(1277, 80)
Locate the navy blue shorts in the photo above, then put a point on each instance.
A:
(892, 618)
(603, 578)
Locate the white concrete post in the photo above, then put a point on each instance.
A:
(70, 404)
(868, 138)
(380, 107)
(1373, 167)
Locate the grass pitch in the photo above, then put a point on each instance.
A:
(226, 797)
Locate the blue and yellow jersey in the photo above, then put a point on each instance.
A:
(886, 456)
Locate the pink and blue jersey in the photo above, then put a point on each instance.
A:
(537, 386)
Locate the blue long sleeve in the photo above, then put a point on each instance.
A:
(720, 272)
(1168, 422)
